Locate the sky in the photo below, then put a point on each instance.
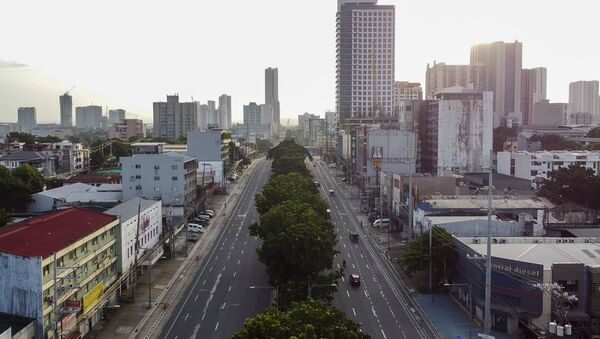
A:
(129, 54)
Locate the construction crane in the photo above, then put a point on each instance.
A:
(72, 88)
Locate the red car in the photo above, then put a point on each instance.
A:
(354, 280)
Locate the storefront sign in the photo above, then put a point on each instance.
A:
(91, 298)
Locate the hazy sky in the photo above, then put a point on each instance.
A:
(130, 53)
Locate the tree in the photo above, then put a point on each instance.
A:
(307, 320)
(293, 187)
(290, 148)
(443, 256)
(27, 138)
(15, 194)
(31, 177)
(4, 218)
(574, 183)
(594, 133)
(289, 164)
(53, 183)
(263, 145)
(552, 142)
(501, 134)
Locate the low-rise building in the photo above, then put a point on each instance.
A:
(73, 158)
(147, 236)
(207, 149)
(127, 129)
(77, 194)
(170, 177)
(148, 147)
(94, 179)
(536, 166)
(44, 161)
(59, 269)
(535, 280)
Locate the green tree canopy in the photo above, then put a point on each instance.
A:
(263, 145)
(594, 133)
(501, 134)
(31, 177)
(307, 320)
(289, 164)
(552, 142)
(294, 187)
(15, 194)
(289, 148)
(4, 218)
(443, 256)
(574, 183)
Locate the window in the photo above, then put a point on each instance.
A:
(138, 187)
(84, 248)
(156, 189)
(138, 176)
(73, 254)
(174, 167)
(46, 269)
(156, 178)
(95, 241)
(174, 178)
(156, 167)
(60, 262)
(138, 166)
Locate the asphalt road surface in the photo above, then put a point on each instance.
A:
(382, 304)
(220, 296)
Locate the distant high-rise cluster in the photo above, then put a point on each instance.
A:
(66, 110)
(583, 99)
(88, 117)
(365, 59)
(115, 116)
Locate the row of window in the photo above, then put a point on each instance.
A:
(370, 13)
(156, 167)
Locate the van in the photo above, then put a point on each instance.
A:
(381, 222)
(195, 228)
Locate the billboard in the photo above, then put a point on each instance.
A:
(91, 298)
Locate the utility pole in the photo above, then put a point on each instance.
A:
(487, 321)
(430, 257)
(410, 207)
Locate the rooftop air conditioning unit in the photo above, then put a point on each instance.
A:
(475, 241)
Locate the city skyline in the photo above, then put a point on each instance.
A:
(303, 73)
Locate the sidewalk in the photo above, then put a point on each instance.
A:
(168, 277)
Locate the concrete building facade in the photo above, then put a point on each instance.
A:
(547, 113)
(405, 90)
(127, 129)
(583, 98)
(536, 166)
(174, 119)
(206, 148)
(26, 119)
(66, 110)
(253, 114)
(59, 267)
(365, 54)
(533, 91)
(271, 113)
(116, 115)
(73, 158)
(456, 131)
(170, 177)
(502, 76)
(225, 111)
(88, 117)
(441, 76)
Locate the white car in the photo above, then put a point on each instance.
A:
(196, 228)
(381, 223)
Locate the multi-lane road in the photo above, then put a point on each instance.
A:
(219, 298)
(232, 285)
(382, 303)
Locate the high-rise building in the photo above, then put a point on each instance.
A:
(546, 113)
(533, 91)
(271, 114)
(127, 129)
(583, 98)
(503, 63)
(115, 116)
(304, 123)
(66, 110)
(225, 111)
(252, 114)
(26, 119)
(88, 117)
(174, 119)
(364, 59)
(407, 91)
(441, 76)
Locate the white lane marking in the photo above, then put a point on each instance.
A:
(196, 298)
(353, 267)
(186, 316)
(243, 251)
(347, 293)
(354, 311)
(204, 282)
(224, 268)
(211, 295)
(229, 289)
(338, 265)
(210, 269)
(234, 274)
(343, 279)
(217, 257)
(216, 327)
(384, 336)
(348, 255)
(195, 332)
(362, 256)
(368, 266)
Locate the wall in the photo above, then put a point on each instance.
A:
(40, 203)
(522, 166)
(473, 228)
(21, 287)
(204, 146)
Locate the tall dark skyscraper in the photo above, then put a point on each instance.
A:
(503, 63)
(66, 110)
(271, 96)
(365, 59)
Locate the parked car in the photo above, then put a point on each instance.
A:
(381, 223)
(354, 279)
(203, 216)
(354, 237)
(331, 192)
(200, 221)
(195, 228)
(209, 210)
(209, 213)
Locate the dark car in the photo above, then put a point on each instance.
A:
(354, 237)
(354, 279)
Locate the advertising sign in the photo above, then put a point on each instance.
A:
(91, 298)
(377, 154)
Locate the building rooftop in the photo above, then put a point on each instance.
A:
(438, 220)
(14, 322)
(479, 202)
(94, 178)
(49, 233)
(129, 209)
(147, 144)
(544, 251)
(27, 156)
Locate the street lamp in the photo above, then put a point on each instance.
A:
(470, 300)
(276, 288)
(310, 287)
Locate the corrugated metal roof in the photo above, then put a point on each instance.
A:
(49, 233)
